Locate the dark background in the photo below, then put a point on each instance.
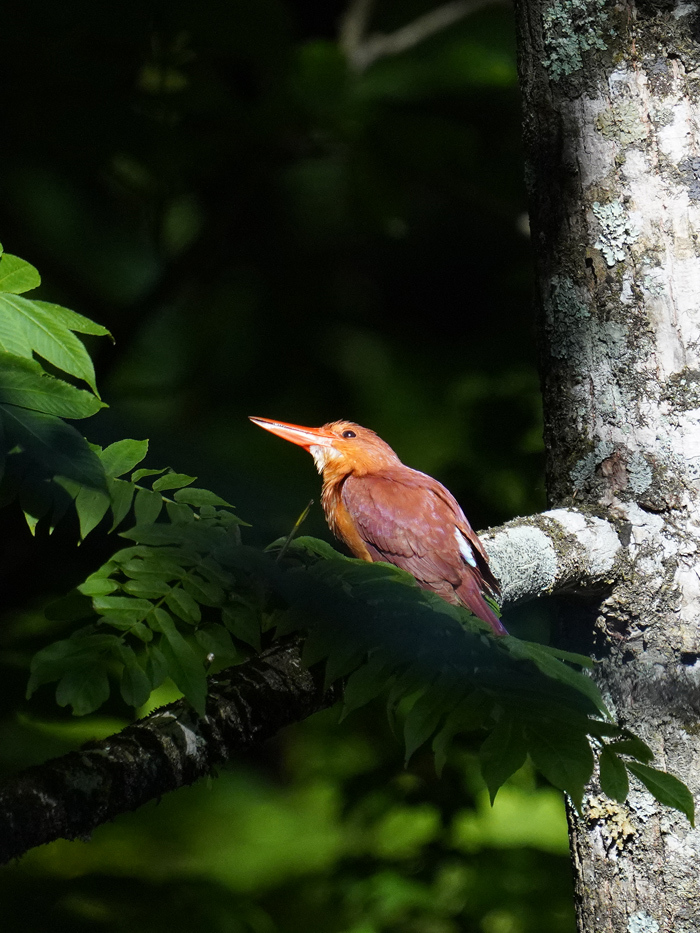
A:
(268, 231)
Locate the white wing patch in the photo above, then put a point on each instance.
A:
(465, 548)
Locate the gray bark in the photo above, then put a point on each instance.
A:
(611, 115)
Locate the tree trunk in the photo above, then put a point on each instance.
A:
(611, 117)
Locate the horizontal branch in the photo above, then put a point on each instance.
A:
(68, 797)
(560, 551)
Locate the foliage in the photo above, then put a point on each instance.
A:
(187, 593)
(265, 230)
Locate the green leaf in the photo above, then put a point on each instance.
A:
(141, 474)
(135, 685)
(666, 788)
(52, 662)
(502, 753)
(215, 640)
(152, 565)
(344, 657)
(85, 688)
(182, 604)
(147, 506)
(366, 683)
(552, 667)
(121, 494)
(141, 631)
(184, 667)
(204, 592)
(160, 620)
(563, 755)
(423, 719)
(173, 481)
(28, 327)
(244, 623)
(24, 383)
(123, 456)
(199, 497)
(52, 446)
(318, 644)
(98, 585)
(91, 506)
(156, 666)
(469, 714)
(137, 609)
(581, 659)
(632, 746)
(16, 275)
(150, 586)
(179, 513)
(613, 775)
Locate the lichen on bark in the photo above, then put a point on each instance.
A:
(611, 143)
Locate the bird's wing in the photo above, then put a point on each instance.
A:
(403, 519)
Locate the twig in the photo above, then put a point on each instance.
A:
(362, 53)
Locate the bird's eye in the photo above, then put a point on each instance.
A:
(349, 434)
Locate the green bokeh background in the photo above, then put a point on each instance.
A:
(268, 231)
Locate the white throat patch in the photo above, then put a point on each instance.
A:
(322, 456)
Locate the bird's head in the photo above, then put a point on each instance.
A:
(338, 448)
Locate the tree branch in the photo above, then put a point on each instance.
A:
(70, 796)
(563, 550)
(559, 551)
(362, 52)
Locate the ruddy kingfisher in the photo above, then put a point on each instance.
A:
(384, 510)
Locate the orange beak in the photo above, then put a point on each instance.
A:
(304, 437)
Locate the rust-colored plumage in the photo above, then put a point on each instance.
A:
(384, 510)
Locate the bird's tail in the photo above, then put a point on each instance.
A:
(471, 597)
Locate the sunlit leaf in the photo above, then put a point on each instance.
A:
(666, 788)
(632, 746)
(150, 586)
(197, 497)
(24, 383)
(123, 456)
(91, 506)
(147, 506)
(121, 494)
(173, 481)
(98, 585)
(16, 275)
(142, 474)
(613, 775)
(28, 327)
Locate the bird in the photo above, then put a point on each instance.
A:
(386, 511)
